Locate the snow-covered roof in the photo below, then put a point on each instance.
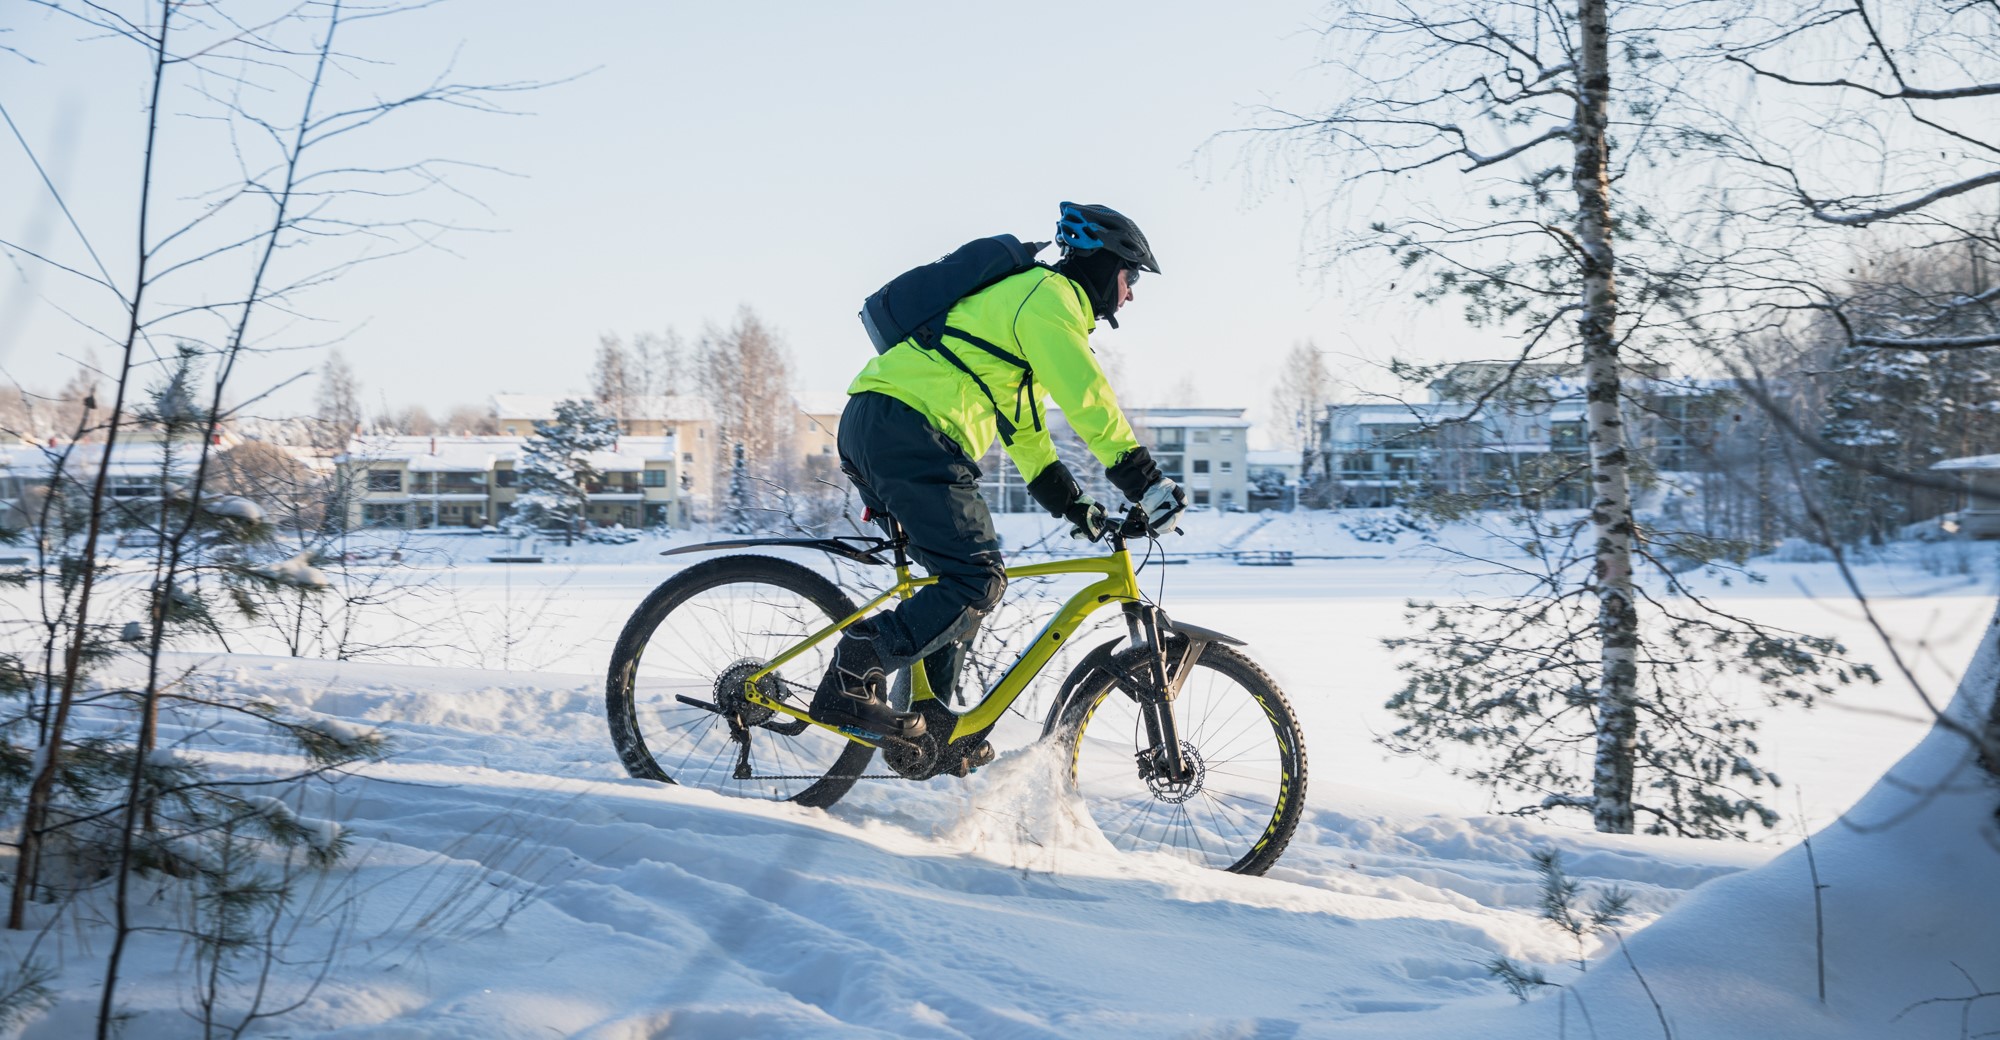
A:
(1168, 422)
(1280, 457)
(1974, 462)
(128, 459)
(662, 407)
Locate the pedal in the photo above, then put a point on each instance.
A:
(970, 762)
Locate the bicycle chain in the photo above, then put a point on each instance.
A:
(830, 776)
(821, 776)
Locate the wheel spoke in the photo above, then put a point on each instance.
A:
(735, 615)
(1244, 776)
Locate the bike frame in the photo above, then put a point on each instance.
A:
(1118, 583)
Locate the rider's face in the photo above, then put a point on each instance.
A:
(1126, 276)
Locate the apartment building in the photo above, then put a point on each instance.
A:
(426, 482)
(689, 421)
(1273, 480)
(1207, 450)
(134, 472)
(1531, 440)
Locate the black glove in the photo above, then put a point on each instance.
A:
(1086, 519)
(1134, 472)
(1055, 489)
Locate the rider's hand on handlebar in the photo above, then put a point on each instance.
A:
(1163, 503)
(1086, 519)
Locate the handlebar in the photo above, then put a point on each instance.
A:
(1132, 526)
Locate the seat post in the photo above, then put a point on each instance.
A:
(899, 540)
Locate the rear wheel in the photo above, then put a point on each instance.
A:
(678, 671)
(1238, 810)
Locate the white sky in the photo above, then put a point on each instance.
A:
(787, 156)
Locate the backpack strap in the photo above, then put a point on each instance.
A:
(934, 341)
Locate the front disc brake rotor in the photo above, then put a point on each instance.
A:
(1167, 790)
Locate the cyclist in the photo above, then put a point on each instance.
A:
(918, 419)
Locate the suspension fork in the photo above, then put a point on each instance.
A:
(1156, 695)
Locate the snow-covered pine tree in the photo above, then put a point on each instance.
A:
(1880, 409)
(1905, 409)
(739, 513)
(554, 475)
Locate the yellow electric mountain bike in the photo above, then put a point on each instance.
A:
(1177, 742)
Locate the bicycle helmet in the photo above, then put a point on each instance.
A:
(1085, 228)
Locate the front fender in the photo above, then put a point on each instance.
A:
(1092, 661)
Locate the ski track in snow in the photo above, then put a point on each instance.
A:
(512, 882)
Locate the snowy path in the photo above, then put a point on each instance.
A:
(507, 880)
(978, 908)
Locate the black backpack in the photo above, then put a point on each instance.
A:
(914, 305)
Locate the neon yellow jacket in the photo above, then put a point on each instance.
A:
(1043, 318)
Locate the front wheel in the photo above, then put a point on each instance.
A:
(678, 673)
(1239, 808)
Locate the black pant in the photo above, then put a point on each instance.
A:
(905, 467)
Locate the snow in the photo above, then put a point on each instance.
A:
(505, 879)
(297, 570)
(234, 506)
(1973, 462)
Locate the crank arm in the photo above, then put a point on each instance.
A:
(703, 705)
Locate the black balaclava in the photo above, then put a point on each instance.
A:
(1097, 272)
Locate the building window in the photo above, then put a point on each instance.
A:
(125, 486)
(1226, 437)
(503, 478)
(654, 478)
(1201, 496)
(1201, 465)
(1201, 436)
(385, 480)
(378, 515)
(1227, 465)
(1228, 497)
(1171, 438)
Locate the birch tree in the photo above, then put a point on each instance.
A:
(745, 374)
(1298, 406)
(1506, 155)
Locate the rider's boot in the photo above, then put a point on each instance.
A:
(854, 694)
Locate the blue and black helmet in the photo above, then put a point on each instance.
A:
(1084, 228)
